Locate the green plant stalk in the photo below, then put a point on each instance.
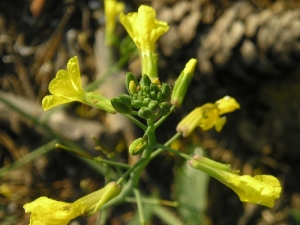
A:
(135, 171)
(162, 119)
(154, 201)
(29, 157)
(113, 69)
(140, 206)
(183, 155)
(149, 64)
(134, 120)
(52, 133)
(96, 159)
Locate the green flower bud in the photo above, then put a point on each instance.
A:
(166, 91)
(145, 113)
(131, 83)
(154, 87)
(159, 97)
(137, 146)
(164, 108)
(137, 104)
(120, 106)
(145, 81)
(153, 105)
(146, 101)
(182, 83)
(135, 96)
(146, 89)
(126, 99)
(153, 94)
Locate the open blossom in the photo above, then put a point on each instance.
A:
(144, 28)
(260, 189)
(207, 116)
(66, 87)
(46, 211)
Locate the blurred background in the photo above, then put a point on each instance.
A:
(248, 49)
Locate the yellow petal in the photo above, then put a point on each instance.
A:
(50, 101)
(112, 9)
(210, 116)
(47, 211)
(227, 104)
(67, 83)
(143, 27)
(260, 189)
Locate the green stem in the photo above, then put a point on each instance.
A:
(29, 157)
(153, 201)
(183, 155)
(96, 159)
(119, 64)
(160, 150)
(134, 120)
(162, 119)
(140, 206)
(149, 64)
(96, 166)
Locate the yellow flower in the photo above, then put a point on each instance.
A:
(143, 28)
(260, 189)
(66, 87)
(111, 8)
(46, 211)
(207, 116)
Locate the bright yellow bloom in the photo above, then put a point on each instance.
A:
(143, 28)
(112, 8)
(207, 116)
(260, 189)
(66, 87)
(45, 211)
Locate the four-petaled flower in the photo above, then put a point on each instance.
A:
(207, 116)
(260, 189)
(66, 87)
(143, 28)
(51, 212)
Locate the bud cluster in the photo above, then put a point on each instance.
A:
(150, 98)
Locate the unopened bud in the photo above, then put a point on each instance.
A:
(137, 146)
(182, 83)
(120, 106)
(145, 113)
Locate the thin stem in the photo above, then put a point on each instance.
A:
(134, 120)
(140, 205)
(29, 157)
(183, 155)
(154, 201)
(160, 150)
(99, 168)
(162, 119)
(96, 159)
(132, 168)
(121, 62)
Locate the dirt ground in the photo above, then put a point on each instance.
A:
(249, 50)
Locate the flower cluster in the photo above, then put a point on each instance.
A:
(151, 98)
